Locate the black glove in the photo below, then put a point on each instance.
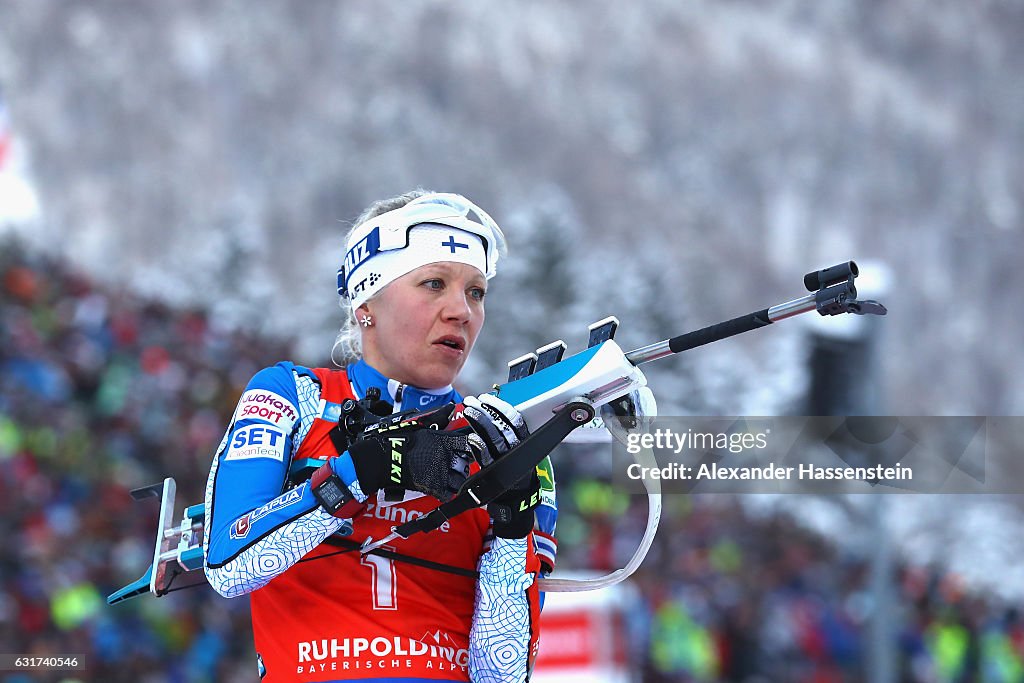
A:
(512, 512)
(501, 428)
(412, 456)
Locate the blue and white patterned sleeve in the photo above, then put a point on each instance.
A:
(499, 640)
(255, 529)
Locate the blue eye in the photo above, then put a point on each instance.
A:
(433, 283)
(477, 293)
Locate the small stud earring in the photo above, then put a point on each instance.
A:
(366, 321)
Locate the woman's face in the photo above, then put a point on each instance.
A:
(425, 324)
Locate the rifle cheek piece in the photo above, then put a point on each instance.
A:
(598, 375)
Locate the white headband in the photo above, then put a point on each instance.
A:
(428, 243)
(387, 247)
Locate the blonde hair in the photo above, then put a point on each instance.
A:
(349, 342)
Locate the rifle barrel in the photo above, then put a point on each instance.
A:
(723, 330)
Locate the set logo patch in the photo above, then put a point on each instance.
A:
(257, 441)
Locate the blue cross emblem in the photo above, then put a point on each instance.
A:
(451, 244)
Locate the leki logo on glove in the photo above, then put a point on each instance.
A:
(529, 503)
(396, 459)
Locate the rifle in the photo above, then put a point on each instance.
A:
(555, 396)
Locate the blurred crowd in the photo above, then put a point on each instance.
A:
(727, 594)
(102, 391)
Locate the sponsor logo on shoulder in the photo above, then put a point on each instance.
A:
(257, 441)
(261, 404)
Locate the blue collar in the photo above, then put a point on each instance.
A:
(363, 377)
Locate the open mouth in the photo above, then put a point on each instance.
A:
(452, 343)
